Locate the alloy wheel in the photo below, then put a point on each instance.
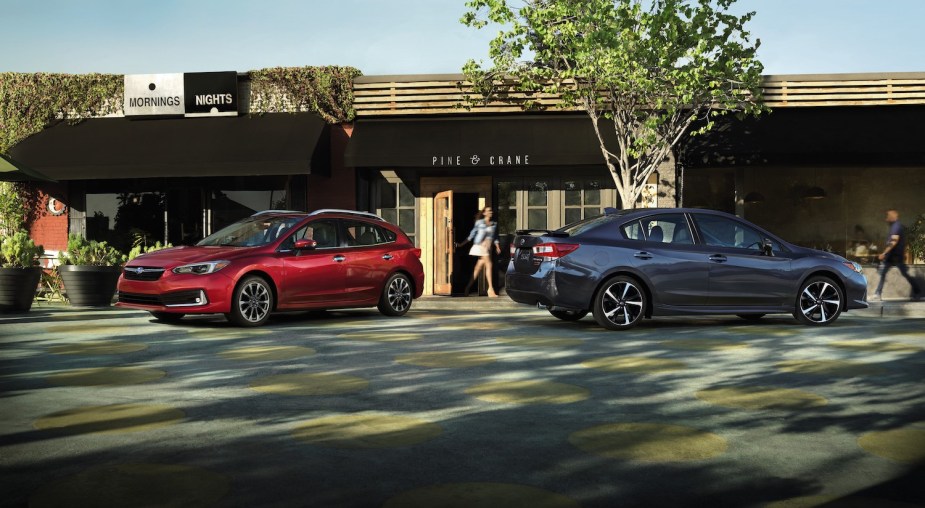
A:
(254, 301)
(399, 294)
(820, 302)
(620, 304)
(396, 296)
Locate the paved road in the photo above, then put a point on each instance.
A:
(487, 404)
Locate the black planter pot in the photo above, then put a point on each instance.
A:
(17, 288)
(90, 286)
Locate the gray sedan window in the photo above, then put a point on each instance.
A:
(724, 232)
(667, 228)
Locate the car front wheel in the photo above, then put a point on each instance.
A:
(251, 303)
(620, 303)
(396, 296)
(819, 302)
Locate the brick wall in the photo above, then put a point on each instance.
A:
(50, 230)
(338, 190)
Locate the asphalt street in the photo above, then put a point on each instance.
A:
(479, 403)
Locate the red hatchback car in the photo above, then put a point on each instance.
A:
(280, 260)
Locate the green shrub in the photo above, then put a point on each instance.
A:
(81, 251)
(915, 238)
(19, 251)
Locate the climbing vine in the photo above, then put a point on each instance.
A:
(326, 91)
(29, 102)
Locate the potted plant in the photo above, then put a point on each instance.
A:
(19, 271)
(90, 271)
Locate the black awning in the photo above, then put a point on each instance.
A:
(525, 140)
(862, 135)
(13, 171)
(270, 144)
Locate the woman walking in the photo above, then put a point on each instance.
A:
(483, 235)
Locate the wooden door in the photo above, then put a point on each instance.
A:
(443, 243)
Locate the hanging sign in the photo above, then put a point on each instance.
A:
(211, 93)
(153, 94)
(188, 94)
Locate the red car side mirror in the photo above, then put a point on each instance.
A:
(305, 244)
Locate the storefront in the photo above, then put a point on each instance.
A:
(432, 175)
(821, 177)
(173, 169)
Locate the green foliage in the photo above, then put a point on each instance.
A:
(19, 251)
(327, 91)
(915, 238)
(12, 207)
(30, 102)
(651, 67)
(81, 251)
(140, 249)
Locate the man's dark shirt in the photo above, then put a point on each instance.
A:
(898, 252)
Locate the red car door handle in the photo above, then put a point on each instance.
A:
(339, 258)
(387, 257)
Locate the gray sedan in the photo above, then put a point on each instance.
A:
(626, 265)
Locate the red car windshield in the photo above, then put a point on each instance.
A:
(251, 232)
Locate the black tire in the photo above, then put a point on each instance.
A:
(251, 302)
(819, 302)
(396, 295)
(751, 317)
(167, 317)
(569, 315)
(620, 303)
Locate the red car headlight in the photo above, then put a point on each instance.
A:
(204, 268)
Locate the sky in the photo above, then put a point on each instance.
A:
(398, 36)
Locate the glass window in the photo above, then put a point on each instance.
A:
(362, 233)
(633, 231)
(231, 205)
(398, 206)
(506, 215)
(536, 218)
(122, 218)
(582, 199)
(725, 232)
(251, 232)
(667, 228)
(537, 194)
(323, 232)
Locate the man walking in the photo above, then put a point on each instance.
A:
(894, 255)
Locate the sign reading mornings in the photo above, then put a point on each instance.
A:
(153, 94)
(190, 94)
(445, 161)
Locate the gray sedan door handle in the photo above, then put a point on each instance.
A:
(387, 257)
(643, 255)
(718, 258)
(339, 258)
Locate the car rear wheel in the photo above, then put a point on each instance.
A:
(167, 317)
(396, 296)
(819, 302)
(620, 303)
(569, 315)
(251, 303)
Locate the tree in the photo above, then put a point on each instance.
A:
(649, 70)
